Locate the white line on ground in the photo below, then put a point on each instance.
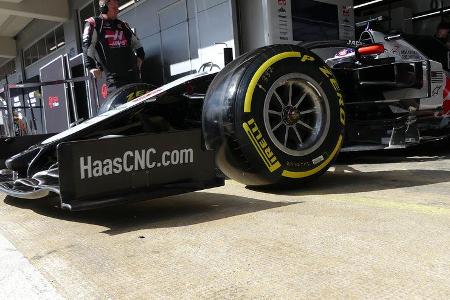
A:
(19, 279)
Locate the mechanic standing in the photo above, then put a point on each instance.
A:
(442, 33)
(110, 45)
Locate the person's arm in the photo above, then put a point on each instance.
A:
(89, 41)
(137, 47)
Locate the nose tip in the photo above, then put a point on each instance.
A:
(19, 162)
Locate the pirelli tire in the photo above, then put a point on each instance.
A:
(125, 94)
(274, 116)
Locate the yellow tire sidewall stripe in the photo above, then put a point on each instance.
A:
(260, 72)
(317, 169)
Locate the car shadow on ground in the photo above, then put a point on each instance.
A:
(346, 180)
(202, 207)
(174, 211)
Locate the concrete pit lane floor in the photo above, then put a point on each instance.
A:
(377, 225)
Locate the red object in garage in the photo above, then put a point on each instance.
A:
(104, 91)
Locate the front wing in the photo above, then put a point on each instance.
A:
(100, 172)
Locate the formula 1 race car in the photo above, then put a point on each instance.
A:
(276, 116)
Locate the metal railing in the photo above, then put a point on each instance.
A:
(7, 110)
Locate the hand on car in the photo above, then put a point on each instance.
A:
(96, 73)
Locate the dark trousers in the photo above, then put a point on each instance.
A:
(116, 80)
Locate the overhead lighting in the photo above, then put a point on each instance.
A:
(126, 4)
(426, 15)
(430, 13)
(367, 3)
(61, 44)
(53, 48)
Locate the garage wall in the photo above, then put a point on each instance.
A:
(403, 10)
(266, 22)
(400, 17)
(252, 29)
(422, 5)
(178, 36)
(426, 26)
(31, 33)
(346, 19)
(37, 28)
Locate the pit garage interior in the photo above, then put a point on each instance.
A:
(375, 225)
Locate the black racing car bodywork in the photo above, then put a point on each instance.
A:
(108, 159)
(278, 115)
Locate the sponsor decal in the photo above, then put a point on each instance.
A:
(53, 102)
(115, 38)
(297, 164)
(437, 76)
(354, 43)
(346, 10)
(446, 102)
(104, 90)
(266, 76)
(261, 146)
(155, 92)
(283, 24)
(133, 161)
(405, 53)
(436, 91)
(135, 94)
(345, 52)
(329, 74)
(395, 50)
(318, 160)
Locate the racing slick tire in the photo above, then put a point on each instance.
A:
(125, 94)
(275, 117)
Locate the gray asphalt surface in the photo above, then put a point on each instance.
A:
(377, 225)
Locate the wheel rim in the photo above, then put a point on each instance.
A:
(296, 114)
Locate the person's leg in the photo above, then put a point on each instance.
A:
(117, 81)
(132, 76)
(113, 81)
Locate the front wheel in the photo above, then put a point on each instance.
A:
(125, 94)
(276, 117)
